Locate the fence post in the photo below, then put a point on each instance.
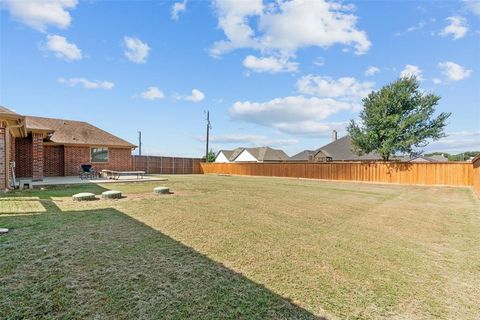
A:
(173, 164)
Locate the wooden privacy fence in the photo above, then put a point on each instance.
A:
(476, 175)
(446, 173)
(166, 165)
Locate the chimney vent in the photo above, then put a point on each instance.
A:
(334, 135)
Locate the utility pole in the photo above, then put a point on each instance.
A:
(209, 126)
(139, 143)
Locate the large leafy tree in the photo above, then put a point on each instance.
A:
(398, 118)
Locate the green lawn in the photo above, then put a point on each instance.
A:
(242, 248)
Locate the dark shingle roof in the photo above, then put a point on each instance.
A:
(302, 156)
(439, 158)
(260, 153)
(267, 154)
(231, 154)
(435, 158)
(235, 153)
(342, 149)
(75, 132)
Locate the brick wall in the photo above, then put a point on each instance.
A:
(53, 161)
(60, 160)
(3, 165)
(118, 159)
(12, 147)
(23, 157)
(37, 156)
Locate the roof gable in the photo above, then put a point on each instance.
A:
(235, 153)
(259, 153)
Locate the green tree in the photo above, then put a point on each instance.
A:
(211, 156)
(397, 118)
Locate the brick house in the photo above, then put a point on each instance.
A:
(43, 147)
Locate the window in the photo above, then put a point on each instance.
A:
(99, 154)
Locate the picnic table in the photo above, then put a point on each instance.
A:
(115, 175)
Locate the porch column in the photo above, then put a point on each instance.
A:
(3, 158)
(37, 154)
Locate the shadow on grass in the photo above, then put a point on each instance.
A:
(104, 264)
(44, 196)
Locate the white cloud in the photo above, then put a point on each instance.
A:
(312, 128)
(283, 27)
(294, 114)
(152, 93)
(303, 115)
(269, 64)
(87, 84)
(40, 14)
(436, 80)
(457, 27)
(177, 8)
(413, 28)
(235, 138)
(196, 96)
(371, 70)
(473, 6)
(346, 88)
(136, 50)
(457, 142)
(232, 19)
(453, 71)
(412, 70)
(249, 140)
(62, 48)
(319, 61)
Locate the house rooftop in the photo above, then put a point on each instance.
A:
(260, 153)
(342, 149)
(267, 154)
(231, 154)
(302, 155)
(74, 132)
(5, 112)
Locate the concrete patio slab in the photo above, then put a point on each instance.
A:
(52, 181)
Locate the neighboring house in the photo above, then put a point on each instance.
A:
(305, 155)
(419, 159)
(341, 150)
(42, 147)
(438, 158)
(225, 156)
(260, 154)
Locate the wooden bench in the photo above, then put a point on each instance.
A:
(115, 175)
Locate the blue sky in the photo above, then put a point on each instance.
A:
(282, 74)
